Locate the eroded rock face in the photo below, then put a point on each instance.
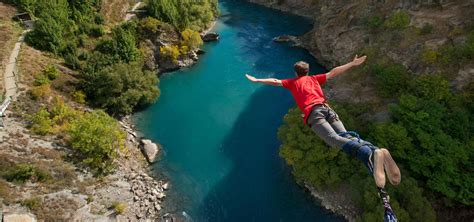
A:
(341, 30)
(149, 149)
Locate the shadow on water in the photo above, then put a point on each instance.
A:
(259, 176)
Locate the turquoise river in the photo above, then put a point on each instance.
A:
(219, 131)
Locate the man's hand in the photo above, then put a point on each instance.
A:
(341, 69)
(358, 60)
(251, 78)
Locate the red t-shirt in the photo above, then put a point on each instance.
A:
(307, 91)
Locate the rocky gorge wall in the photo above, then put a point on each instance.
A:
(344, 28)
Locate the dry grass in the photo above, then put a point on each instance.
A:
(114, 10)
(9, 32)
(31, 62)
(7, 194)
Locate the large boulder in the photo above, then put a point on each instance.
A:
(210, 36)
(149, 150)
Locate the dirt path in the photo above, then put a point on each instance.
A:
(10, 69)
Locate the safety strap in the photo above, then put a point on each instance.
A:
(389, 215)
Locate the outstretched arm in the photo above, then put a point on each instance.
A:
(269, 81)
(341, 69)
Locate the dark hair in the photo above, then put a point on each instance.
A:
(301, 68)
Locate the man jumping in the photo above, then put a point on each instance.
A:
(309, 97)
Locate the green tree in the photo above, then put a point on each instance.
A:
(120, 88)
(53, 23)
(184, 13)
(121, 46)
(191, 39)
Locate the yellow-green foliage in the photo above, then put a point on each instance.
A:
(40, 92)
(79, 97)
(149, 25)
(97, 138)
(191, 39)
(170, 52)
(398, 20)
(41, 79)
(51, 72)
(430, 56)
(119, 207)
(41, 122)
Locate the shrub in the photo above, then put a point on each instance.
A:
(79, 97)
(41, 122)
(170, 52)
(51, 72)
(191, 39)
(41, 79)
(96, 139)
(375, 22)
(119, 207)
(398, 20)
(62, 114)
(430, 56)
(426, 29)
(22, 172)
(96, 31)
(40, 92)
(149, 27)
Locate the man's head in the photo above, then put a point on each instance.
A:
(301, 68)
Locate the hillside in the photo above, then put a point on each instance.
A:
(68, 150)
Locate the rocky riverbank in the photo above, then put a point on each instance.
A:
(130, 193)
(162, 64)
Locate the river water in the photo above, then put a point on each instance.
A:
(219, 131)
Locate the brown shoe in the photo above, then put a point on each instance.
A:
(378, 164)
(393, 172)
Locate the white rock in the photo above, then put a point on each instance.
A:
(165, 186)
(157, 207)
(161, 195)
(150, 150)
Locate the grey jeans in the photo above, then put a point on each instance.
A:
(326, 124)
